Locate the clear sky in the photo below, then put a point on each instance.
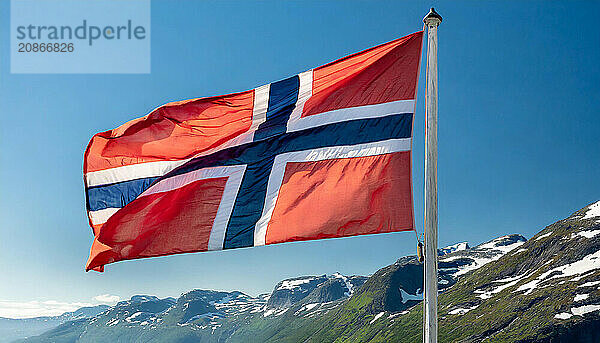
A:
(519, 130)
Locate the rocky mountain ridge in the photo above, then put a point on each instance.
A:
(544, 290)
(505, 290)
(212, 312)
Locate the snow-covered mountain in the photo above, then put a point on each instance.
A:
(497, 290)
(453, 248)
(461, 261)
(210, 312)
(318, 289)
(546, 289)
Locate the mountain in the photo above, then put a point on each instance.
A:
(509, 289)
(315, 289)
(542, 290)
(461, 261)
(12, 329)
(202, 314)
(146, 318)
(214, 316)
(392, 291)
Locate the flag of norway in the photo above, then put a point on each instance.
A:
(325, 153)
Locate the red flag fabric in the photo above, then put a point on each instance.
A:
(325, 153)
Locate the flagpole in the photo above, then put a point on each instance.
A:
(430, 320)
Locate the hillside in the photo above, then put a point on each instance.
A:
(547, 290)
(12, 329)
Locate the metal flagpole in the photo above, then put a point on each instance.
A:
(432, 20)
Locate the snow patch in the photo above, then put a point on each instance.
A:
(306, 307)
(291, 284)
(593, 211)
(585, 265)
(589, 284)
(580, 297)
(461, 311)
(130, 318)
(455, 247)
(581, 276)
(581, 310)
(275, 312)
(311, 306)
(376, 317)
(394, 315)
(483, 294)
(112, 322)
(563, 315)
(544, 236)
(586, 234)
(510, 281)
(491, 247)
(476, 264)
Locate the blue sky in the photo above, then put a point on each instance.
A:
(518, 133)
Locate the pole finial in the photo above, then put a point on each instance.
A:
(432, 18)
